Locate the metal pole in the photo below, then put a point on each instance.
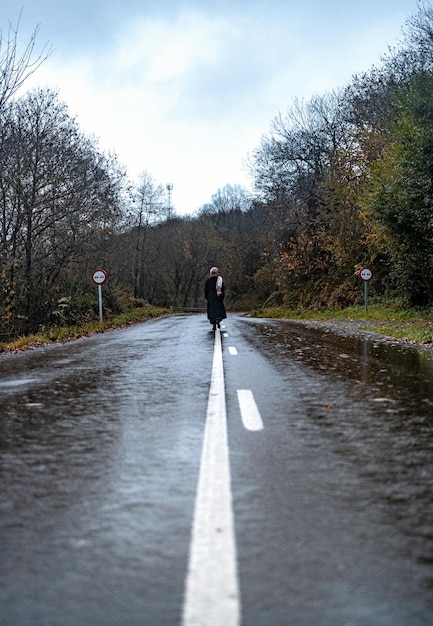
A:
(100, 302)
(366, 294)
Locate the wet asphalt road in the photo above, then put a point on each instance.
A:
(100, 444)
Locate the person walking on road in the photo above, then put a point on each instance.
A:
(214, 294)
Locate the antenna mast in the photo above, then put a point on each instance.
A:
(169, 187)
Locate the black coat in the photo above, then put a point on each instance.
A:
(215, 303)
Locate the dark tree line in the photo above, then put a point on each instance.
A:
(58, 194)
(341, 181)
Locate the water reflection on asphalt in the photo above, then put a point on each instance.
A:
(98, 474)
(376, 414)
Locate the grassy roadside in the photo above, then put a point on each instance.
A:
(67, 333)
(411, 325)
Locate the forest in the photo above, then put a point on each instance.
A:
(341, 181)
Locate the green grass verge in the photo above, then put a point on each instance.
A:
(393, 321)
(66, 333)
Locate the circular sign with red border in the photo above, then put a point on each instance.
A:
(99, 277)
(366, 274)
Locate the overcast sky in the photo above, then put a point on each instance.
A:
(184, 89)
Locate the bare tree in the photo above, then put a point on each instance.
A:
(229, 198)
(16, 67)
(58, 193)
(149, 210)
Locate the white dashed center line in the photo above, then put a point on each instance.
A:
(250, 414)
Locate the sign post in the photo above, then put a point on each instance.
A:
(366, 275)
(99, 277)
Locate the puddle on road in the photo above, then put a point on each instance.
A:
(369, 403)
(406, 373)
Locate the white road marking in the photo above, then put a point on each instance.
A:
(233, 350)
(212, 591)
(250, 414)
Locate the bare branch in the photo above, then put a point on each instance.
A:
(16, 68)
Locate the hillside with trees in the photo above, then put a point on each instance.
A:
(341, 181)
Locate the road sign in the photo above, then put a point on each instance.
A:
(99, 277)
(366, 274)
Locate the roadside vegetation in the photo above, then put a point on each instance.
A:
(341, 182)
(394, 321)
(62, 334)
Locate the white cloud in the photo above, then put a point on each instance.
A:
(142, 99)
(187, 93)
(163, 50)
